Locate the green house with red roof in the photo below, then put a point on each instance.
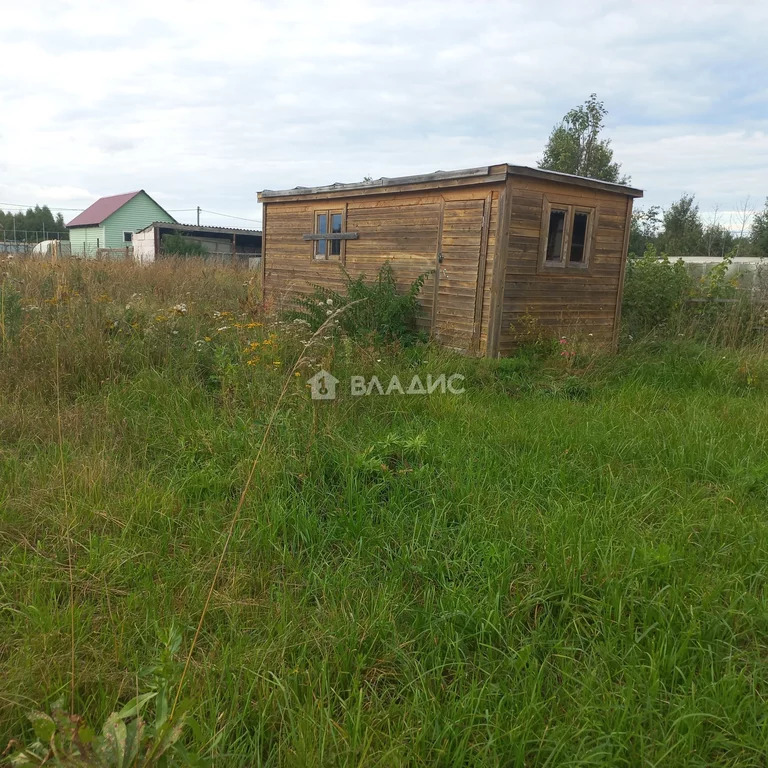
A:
(111, 221)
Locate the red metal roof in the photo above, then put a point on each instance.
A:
(102, 209)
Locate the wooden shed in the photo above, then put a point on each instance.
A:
(509, 247)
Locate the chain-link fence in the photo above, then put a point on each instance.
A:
(30, 241)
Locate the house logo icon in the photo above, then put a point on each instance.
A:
(323, 385)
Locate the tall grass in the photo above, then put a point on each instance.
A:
(564, 565)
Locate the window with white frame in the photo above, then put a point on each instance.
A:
(566, 235)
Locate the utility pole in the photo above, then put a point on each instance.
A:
(198, 215)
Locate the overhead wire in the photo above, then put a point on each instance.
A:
(230, 216)
(170, 210)
(37, 205)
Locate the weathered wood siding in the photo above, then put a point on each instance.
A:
(403, 228)
(568, 301)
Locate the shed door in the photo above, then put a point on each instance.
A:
(458, 266)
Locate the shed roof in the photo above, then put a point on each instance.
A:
(200, 228)
(104, 207)
(481, 175)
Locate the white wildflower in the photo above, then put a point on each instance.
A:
(329, 302)
(180, 309)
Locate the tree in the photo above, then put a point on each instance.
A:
(683, 231)
(575, 146)
(32, 225)
(718, 241)
(759, 233)
(644, 230)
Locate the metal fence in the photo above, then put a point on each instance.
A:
(15, 248)
(30, 237)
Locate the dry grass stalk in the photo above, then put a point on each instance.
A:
(244, 493)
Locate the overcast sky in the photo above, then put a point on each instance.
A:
(207, 103)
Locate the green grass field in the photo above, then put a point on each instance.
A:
(566, 565)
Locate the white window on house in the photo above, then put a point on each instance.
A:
(566, 235)
(127, 237)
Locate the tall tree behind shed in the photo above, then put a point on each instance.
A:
(683, 233)
(759, 233)
(575, 146)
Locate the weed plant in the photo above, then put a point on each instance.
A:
(564, 565)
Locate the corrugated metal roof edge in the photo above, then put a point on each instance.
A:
(468, 173)
(203, 227)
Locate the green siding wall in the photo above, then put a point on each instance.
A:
(133, 216)
(85, 240)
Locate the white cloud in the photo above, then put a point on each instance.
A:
(206, 103)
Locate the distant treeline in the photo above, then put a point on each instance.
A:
(34, 224)
(679, 231)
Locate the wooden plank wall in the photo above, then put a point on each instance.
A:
(460, 246)
(402, 228)
(562, 302)
(485, 295)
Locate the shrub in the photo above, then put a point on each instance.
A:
(534, 340)
(382, 313)
(654, 291)
(178, 245)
